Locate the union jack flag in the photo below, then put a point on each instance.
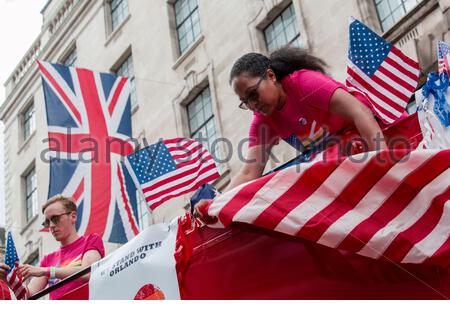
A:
(89, 132)
(443, 53)
(380, 71)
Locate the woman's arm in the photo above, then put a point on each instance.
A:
(347, 106)
(253, 166)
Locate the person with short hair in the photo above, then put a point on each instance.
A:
(76, 252)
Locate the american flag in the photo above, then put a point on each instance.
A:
(170, 168)
(443, 53)
(380, 71)
(393, 204)
(12, 260)
(89, 133)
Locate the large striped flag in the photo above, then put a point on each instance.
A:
(380, 71)
(89, 132)
(392, 204)
(170, 168)
(12, 260)
(443, 54)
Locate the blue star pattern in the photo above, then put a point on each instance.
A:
(443, 49)
(152, 162)
(367, 50)
(11, 253)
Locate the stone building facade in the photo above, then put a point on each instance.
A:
(178, 54)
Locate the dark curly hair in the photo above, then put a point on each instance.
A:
(282, 61)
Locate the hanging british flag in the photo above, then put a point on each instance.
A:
(89, 132)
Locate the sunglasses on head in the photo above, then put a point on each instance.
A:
(54, 219)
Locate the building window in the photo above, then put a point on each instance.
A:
(33, 259)
(71, 58)
(283, 30)
(126, 70)
(29, 122)
(201, 120)
(391, 11)
(31, 194)
(187, 22)
(119, 10)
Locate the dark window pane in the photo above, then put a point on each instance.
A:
(31, 194)
(283, 30)
(126, 70)
(29, 122)
(391, 11)
(187, 22)
(201, 119)
(71, 58)
(119, 10)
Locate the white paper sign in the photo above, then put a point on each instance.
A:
(142, 269)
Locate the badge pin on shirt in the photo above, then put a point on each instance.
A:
(302, 121)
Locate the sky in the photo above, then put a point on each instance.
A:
(20, 24)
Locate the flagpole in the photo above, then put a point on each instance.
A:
(66, 280)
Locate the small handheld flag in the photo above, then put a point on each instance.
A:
(380, 71)
(443, 54)
(12, 260)
(170, 168)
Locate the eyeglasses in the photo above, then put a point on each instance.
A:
(251, 97)
(54, 219)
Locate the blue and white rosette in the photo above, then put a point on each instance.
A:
(434, 112)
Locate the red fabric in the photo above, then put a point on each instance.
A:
(183, 248)
(79, 293)
(71, 256)
(387, 205)
(243, 263)
(4, 291)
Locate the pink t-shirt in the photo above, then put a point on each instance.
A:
(71, 256)
(305, 118)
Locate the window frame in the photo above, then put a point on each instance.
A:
(206, 120)
(112, 9)
(178, 26)
(376, 4)
(298, 37)
(32, 195)
(124, 59)
(70, 52)
(33, 257)
(28, 121)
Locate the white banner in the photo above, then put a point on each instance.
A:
(142, 269)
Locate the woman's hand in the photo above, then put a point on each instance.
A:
(347, 106)
(199, 214)
(3, 271)
(26, 271)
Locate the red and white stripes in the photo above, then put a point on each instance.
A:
(390, 87)
(16, 284)
(393, 204)
(195, 166)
